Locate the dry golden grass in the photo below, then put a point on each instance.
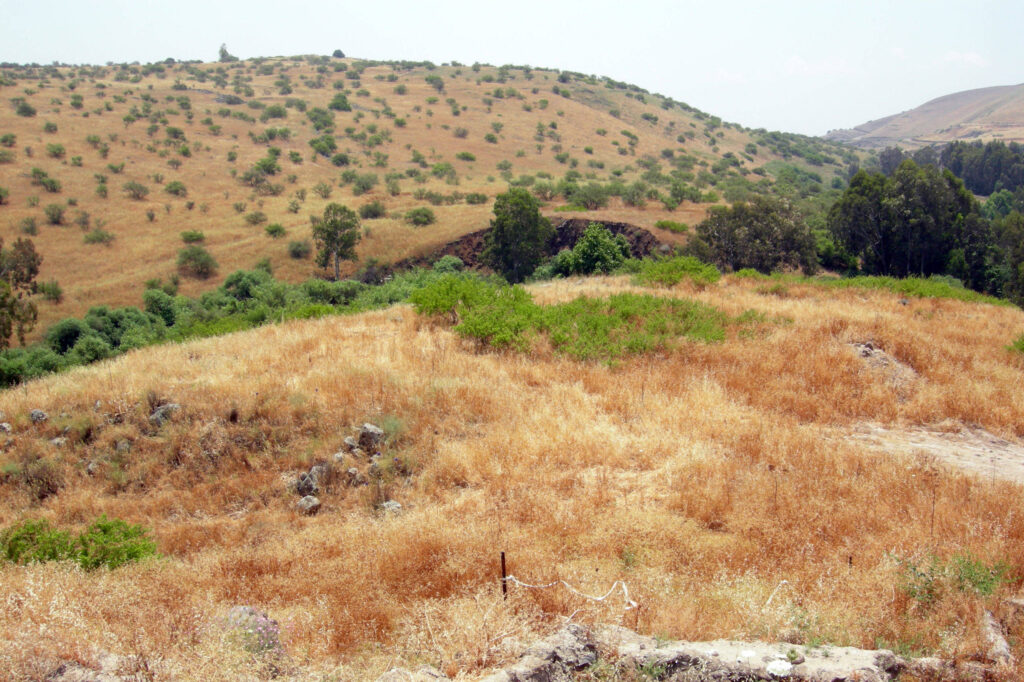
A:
(703, 477)
(114, 275)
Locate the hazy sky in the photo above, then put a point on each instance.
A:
(802, 67)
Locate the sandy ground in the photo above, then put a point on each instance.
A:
(972, 449)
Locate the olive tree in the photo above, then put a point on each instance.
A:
(336, 234)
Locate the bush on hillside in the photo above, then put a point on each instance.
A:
(195, 261)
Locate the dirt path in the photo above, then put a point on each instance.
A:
(971, 449)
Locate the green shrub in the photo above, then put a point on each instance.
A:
(4, 195)
(322, 190)
(275, 230)
(35, 542)
(476, 198)
(420, 216)
(255, 217)
(196, 261)
(672, 226)
(99, 236)
(8, 140)
(135, 190)
(363, 183)
(54, 214)
(28, 226)
(299, 249)
(177, 188)
(493, 139)
(596, 251)
(25, 109)
(55, 151)
(192, 236)
(465, 156)
(1018, 345)
(50, 290)
(374, 209)
(448, 264)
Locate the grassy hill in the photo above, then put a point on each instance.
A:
(984, 114)
(721, 476)
(183, 137)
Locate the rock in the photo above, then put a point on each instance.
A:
(5, 427)
(355, 478)
(553, 658)
(308, 505)
(424, 673)
(391, 507)
(59, 441)
(306, 485)
(163, 413)
(351, 442)
(339, 457)
(320, 473)
(38, 416)
(92, 468)
(370, 436)
(998, 648)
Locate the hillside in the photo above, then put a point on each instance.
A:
(732, 483)
(984, 114)
(225, 149)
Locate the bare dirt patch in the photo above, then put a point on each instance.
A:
(901, 377)
(974, 450)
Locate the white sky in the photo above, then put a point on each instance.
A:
(804, 67)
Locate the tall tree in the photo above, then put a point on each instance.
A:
(19, 266)
(336, 234)
(519, 235)
(765, 234)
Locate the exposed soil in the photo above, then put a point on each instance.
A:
(974, 450)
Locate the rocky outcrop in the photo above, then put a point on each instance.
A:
(567, 232)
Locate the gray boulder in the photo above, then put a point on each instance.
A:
(38, 416)
(163, 413)
(370, 437)
(306, 485)
(308, 505)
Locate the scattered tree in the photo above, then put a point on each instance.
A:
(336, 234)
(519, 235)
(19, 266)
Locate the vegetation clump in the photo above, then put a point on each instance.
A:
(105, 543)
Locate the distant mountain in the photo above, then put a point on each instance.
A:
(983, 114)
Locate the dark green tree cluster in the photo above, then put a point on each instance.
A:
(986, 168)
(519, 235)
(919, 221)
(765, 234)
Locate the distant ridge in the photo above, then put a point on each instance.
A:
(995, 113)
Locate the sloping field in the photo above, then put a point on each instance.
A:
(705, 476)
(407, 135)
(984, 114)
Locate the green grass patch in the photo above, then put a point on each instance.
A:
(105, 543)
(671, 271)
(503, 316)
(672, 226)
(918, 287)
(1018, 345)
